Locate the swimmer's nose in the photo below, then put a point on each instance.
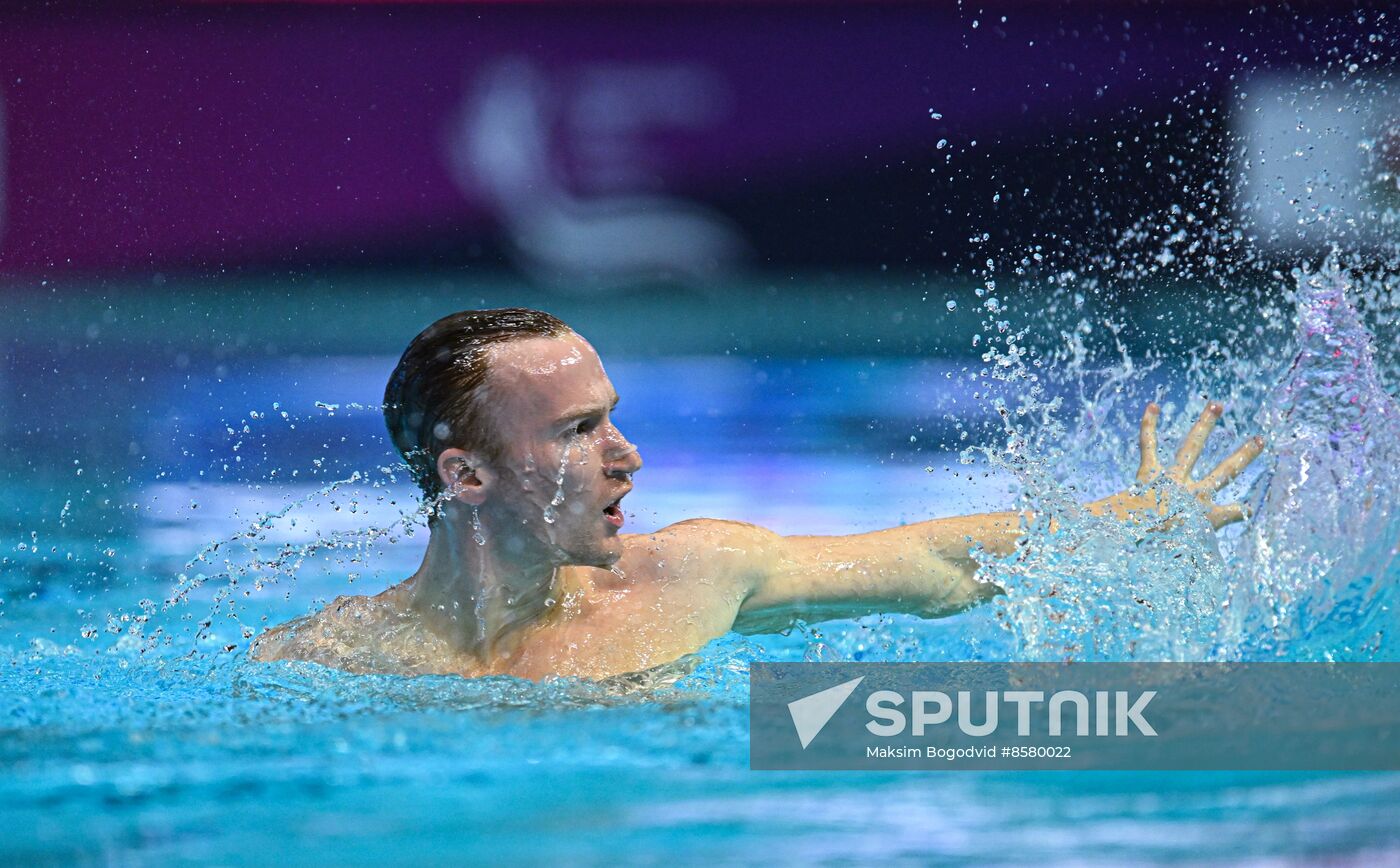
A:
(624, 459)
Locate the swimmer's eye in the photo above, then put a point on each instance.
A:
(584, 427)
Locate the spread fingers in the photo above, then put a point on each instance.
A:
(1227, 514)
(1148, 467)
(1228, 469)
(1195, 442)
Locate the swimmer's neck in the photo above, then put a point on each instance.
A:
(480, 598)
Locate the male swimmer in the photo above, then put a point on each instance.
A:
(504, 418)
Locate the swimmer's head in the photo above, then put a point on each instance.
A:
(509, 412)
(435, 397)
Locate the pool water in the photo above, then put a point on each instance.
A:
(126, 739)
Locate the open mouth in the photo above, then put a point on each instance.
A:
(613, 513)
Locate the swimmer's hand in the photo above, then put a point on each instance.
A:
(1148, 499)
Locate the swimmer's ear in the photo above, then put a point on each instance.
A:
(461, 473)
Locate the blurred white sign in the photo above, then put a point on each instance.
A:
(574, 178)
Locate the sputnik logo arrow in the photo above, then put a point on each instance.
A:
(811, 713)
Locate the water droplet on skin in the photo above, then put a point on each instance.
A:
(477, 536)
(549, 513)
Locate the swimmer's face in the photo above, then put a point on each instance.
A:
(564, 464)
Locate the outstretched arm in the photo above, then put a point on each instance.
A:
(927, 568)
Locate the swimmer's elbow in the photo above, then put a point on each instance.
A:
(950, 589)
(970, 593)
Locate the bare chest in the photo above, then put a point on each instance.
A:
(621, 630)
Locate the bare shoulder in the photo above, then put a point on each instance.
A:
(705, 532)
(291, 640)
(712, 549)
(275, 643)
(672, 591)
(355, 633)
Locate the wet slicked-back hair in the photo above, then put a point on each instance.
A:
(435, 398)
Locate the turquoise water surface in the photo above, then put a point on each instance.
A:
(119, 747)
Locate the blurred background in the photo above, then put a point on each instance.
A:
(209, 210)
